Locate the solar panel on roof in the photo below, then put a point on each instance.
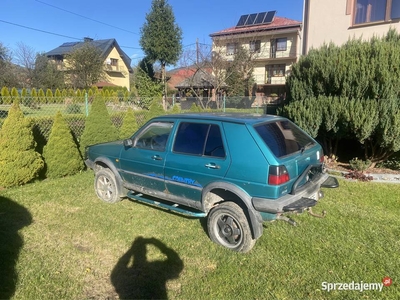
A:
(260, 18)
(69, 44)
(269, 17)
(242, 20)
(250, 19)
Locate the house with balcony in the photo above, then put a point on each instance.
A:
(117, 63)
(274, 44)
(337, 21)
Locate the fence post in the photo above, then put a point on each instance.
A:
(86, 104)
(224, 102)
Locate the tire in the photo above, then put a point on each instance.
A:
(106, 187)
(228, 226)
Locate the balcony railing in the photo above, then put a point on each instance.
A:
(268, 53)
(278, 80)
(113, 68)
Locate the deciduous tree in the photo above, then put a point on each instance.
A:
(85, 65)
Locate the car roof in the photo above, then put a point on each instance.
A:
(240, 118)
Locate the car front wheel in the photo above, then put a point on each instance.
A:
(228, 226)
(106, 187)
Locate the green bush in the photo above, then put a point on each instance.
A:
(19, 162)
(73, 108)
(129, 125)
(359, 165)
(61, 155)
(98, 126)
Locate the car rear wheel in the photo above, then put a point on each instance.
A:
(106, 187)
(228, 226)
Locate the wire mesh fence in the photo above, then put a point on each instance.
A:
(41, 111)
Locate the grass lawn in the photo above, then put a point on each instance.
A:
(70, 245)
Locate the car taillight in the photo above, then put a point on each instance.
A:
(320, 157)
(278, 175)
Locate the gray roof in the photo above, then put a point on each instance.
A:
(105, 47)
(200, 79)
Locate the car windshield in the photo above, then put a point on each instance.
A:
(284, 138)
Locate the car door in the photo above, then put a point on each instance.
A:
(199, 156)
(142, 164)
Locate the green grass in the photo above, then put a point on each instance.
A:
(74, 246)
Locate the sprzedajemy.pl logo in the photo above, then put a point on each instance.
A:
(356, 286)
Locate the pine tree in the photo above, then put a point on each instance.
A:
(19, 162)
(129, 125)
(61, 154)
(98, 126)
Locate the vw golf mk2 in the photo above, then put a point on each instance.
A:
(236, 170)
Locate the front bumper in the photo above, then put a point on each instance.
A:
(301, 198)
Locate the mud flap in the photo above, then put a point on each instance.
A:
(330, 182)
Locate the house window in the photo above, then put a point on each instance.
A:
(281, 44)
(276, 70)
(255, 46)
(367, 11)
(231, 48)
(114, 62)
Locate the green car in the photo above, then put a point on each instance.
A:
(236, 170)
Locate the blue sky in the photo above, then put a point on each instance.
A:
(57, 21)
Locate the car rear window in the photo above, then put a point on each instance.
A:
(284, 138)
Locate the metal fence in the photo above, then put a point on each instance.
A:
(75, 109)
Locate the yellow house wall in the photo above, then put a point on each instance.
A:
(120, 78)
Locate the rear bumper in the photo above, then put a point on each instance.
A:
(307, 196)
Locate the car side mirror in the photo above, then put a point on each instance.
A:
(128, 143)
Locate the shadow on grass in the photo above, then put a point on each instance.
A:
(13, 217)
(134, 277)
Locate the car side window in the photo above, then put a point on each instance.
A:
(199, 139)
(154, 136)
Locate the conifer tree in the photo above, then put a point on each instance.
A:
(129, 125)
(14, 94)
(19, 162)
(98, 126)
(61, 154)
(41, 97)
(5, 95)
(49, 96)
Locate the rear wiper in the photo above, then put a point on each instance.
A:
(305, 146)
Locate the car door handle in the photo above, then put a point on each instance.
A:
(156, 157)
(212, 166)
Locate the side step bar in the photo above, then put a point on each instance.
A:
(173, 207)
(300, 205)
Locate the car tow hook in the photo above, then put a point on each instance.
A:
(287, 219)
(310, 212)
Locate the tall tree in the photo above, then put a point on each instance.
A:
(85, 65)
(25, 58)
(240, 76)
(45, 74)
(7, 69)
(161, 37)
